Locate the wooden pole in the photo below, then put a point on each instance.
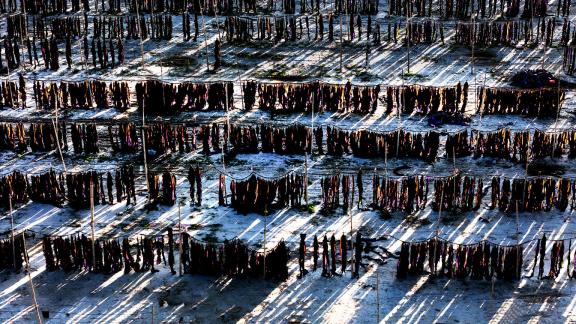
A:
(352, 240)
(353, 193)
(475, 93)
(481, 110)
(473, 43)
(81, 50)
(385, 162)
(493, 282)
(525, 177)
(408, 36)
(241, 86)
(351, 237)
(181, 238)
(553, 142)
(34, 300)
(8, 82)
(306, 179)
(439, 214)
(437, 231)
(518, 265)
(350, 215)
(143, 106)
(360, 199)
(543, 56)
(205, 40)
(92, 223)
(227, 139)
(349, 21)
(341, 37)
(312, 123)
(532, 16)
(144, 151)
(367, 56)
(90, 93)
(517, 223)
(25, 22)
(217, 20)
(161, 80)
(377, 295)
(57, 134)
(224, 169)
(264, 262)
(559, 105)
(23, 31)
(12, 232)
(557, 117)
(400, 115)
(139, 31)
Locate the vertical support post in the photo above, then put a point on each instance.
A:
(385, 162)
(227, 138)
(544, 54)
(265, 228)
(353, 193)
(12, 232)
(181, 237)
(525, 178)
(479, 108)
(145, 152)
(518, 265)
(437, 234)
(377, 295)
(352, 240)
(439, 213)
(351, 224)
(224, 169)
(57, 134)
(205, 39)
(475, 93)
(341, 39)
(400, 115)
(517, 223)
(408, 35)
(217, 20)
(306, 179)
(241, 88)
(367, 56)
(8, 82)
(559, 105)
(139, 31)
(312, 123)
(81, 50)
(473, 42)
(92, 223)
(25, 29)
(34, 300)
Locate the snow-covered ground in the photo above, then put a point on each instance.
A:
(377, 294)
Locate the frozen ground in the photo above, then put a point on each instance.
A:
(377, 295)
